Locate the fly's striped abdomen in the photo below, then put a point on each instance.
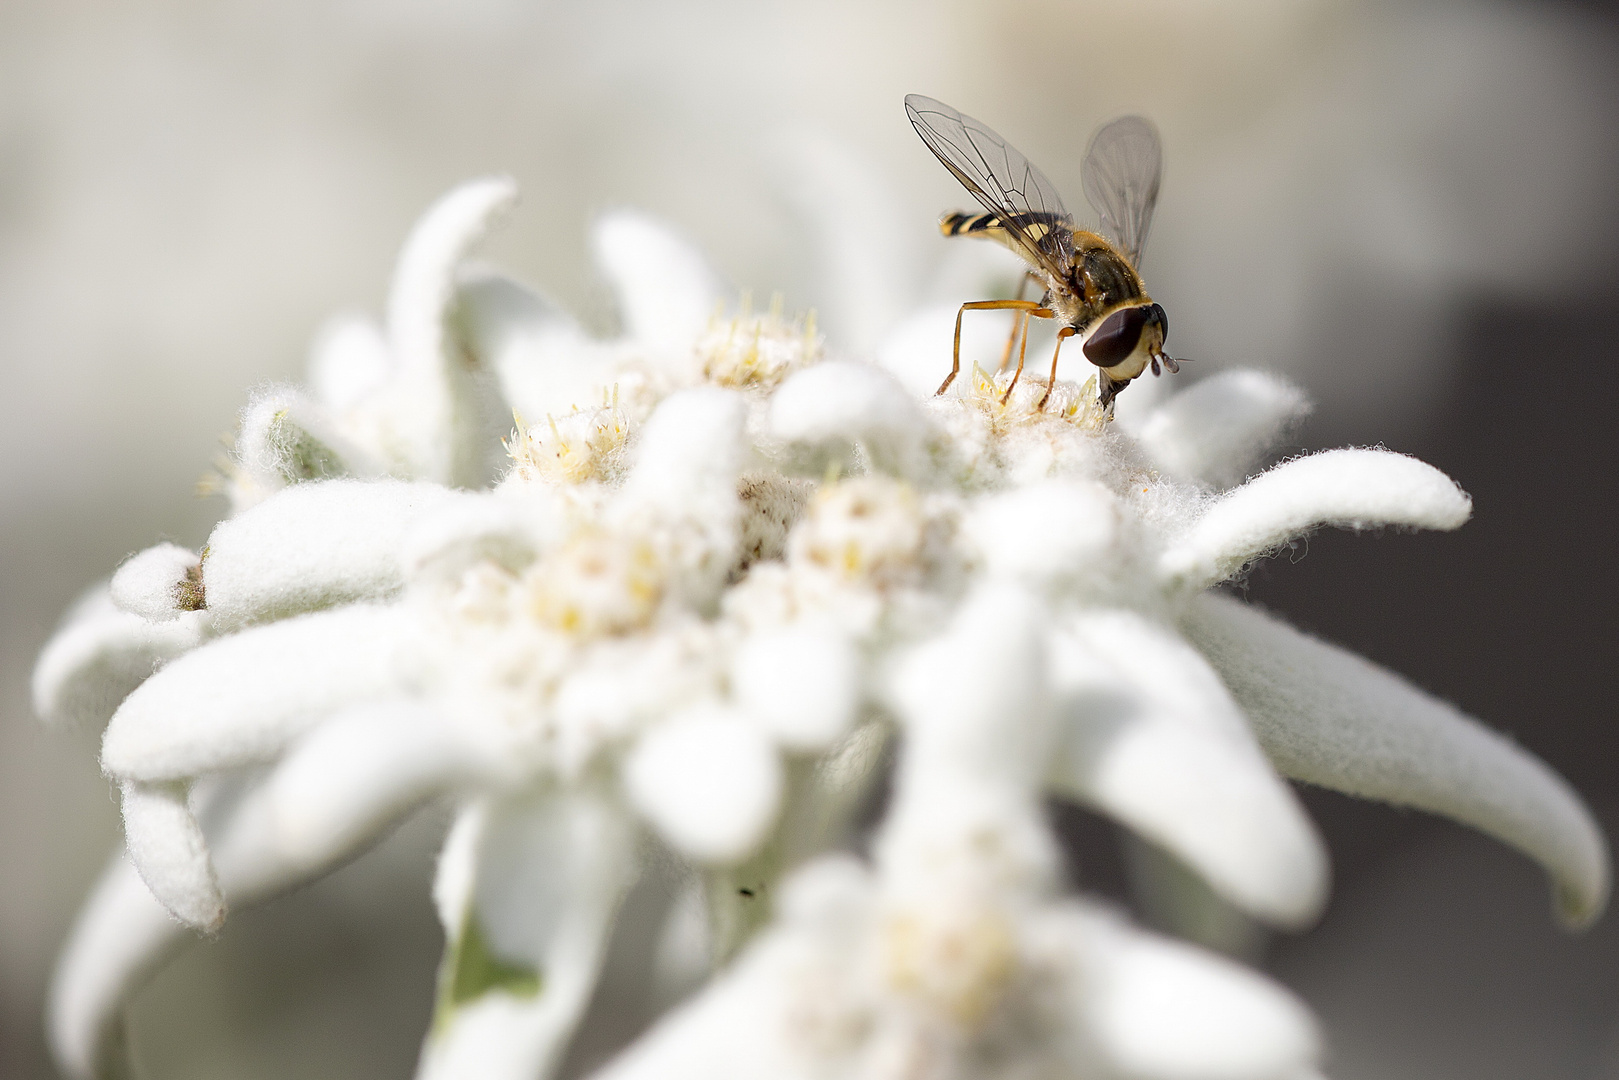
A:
(993, 226)
(960, 224)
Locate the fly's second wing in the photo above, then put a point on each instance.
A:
(1123, 167)
(1008, 185)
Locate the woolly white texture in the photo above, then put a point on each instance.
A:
(802, 683)
(838, 405)
(542, 879)
(148, 582)
(1215, 431)
(312, 547)
(120, 936)
(240, 699)
(1357, 489)
(1331, 718)
(402, 402)
(1155, 740)
(168, 849)
(704, 617)
(101, 654)
(709, 780)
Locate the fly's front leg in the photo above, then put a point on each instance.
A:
(1062, 335)
(1029, 306)
(1023, 322)
(1032, 313)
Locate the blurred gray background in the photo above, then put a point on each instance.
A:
(1409, 208)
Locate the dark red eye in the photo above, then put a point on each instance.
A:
(1161, 319)
(1112, 343)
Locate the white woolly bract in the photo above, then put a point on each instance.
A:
(1332, 718)
(709, 780)
(101, 654)
(801, 683)
(1082, 995)
(166, 844)
(665, 288)
(839, 404)
(1218, 429)
(1153, 739)
(241, 698)
(540, 879)
(150, 583)
(1359, 489)
(429, 415)
(120, 935)
(314, 546)
(1048, 534)
(361, 771)
(724, 593)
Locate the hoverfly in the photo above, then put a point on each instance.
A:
(1091, 285)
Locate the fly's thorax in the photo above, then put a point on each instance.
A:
(1102, 276)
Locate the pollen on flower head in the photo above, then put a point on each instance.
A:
(1076, 405)
(869, 529)
(956, 959)
(578, 446)
(596, 584)
(757, 350)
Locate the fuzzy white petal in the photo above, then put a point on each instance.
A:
(1153, 739)
(1166, 1011)
(1216, 431)
(120, 936)
(148, 581)
(1357, 489)
(509, 532)
(976, 701)
(690, 453)
(840, 403)
(801, 683)
(1331, 718)
(424, 278)
(348, 361)
(350, 779)
(438, 413)
(709, 780)
(314, 546)
(101, 654)
(1045, 533)
(243, 697)
(546, 877)
(783, 1008)
(545, 362)
(665, 288)
(167, 846)
(284, 438)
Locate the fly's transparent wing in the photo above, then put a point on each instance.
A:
(1123, 166)
(1003, 180)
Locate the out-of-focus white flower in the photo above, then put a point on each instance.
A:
(720, 574)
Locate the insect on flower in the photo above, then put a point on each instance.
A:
(1092, 286)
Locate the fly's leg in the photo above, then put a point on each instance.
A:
(1006, 353)
(1062, 335)
(1044, 313)
(1029, 306)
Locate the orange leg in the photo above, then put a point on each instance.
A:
(1063, 334)
(1022, 323)
(1029, 306)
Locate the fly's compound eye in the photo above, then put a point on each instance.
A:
(1112, 343)
(1160, 320)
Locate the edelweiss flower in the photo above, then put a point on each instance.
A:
(721, 573)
